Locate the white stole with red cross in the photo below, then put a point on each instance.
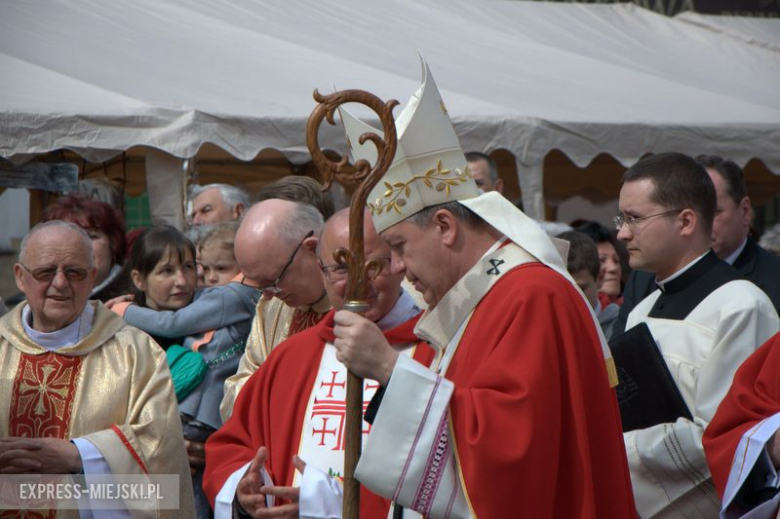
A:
(322, 436)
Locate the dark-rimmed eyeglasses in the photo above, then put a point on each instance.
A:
(337, 272)
(46, 274)
(631, 221)
(273, 288)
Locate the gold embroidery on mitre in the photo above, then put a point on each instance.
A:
(435, 178)
(443, 108)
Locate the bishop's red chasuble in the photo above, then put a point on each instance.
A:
(516, 416)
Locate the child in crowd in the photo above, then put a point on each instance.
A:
(584, 266)
(195, 233)
(213, 328)
(216, 256)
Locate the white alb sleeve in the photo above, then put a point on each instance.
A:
(223, 503)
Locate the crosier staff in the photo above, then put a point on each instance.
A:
(358, 269)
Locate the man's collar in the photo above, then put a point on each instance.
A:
(439, 325)
(67, 336)
(403, 310)
(662, 282)
(731, 258)
(689, 273)
(104, 326)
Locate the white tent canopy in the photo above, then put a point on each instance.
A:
(758, 31)
(101, 77)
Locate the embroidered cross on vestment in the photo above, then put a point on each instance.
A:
(494, 270)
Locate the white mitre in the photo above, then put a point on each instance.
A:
(430, 168)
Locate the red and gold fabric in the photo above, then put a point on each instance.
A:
(112, 388)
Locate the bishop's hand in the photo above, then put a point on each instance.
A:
(362, 347)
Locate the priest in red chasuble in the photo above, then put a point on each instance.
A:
(83, 392)
(294, 405)
(516, 415)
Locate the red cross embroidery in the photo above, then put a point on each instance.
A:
(42, 395)
(333, 384)
(322, 432)
(337, 409)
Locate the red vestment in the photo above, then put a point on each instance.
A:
(271, 408)
(754, 396)
(531, 418)
(537, 427)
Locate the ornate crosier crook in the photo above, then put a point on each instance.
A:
(358, 269)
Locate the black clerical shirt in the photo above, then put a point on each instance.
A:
(684, 293)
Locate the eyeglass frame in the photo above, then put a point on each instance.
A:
(327, 269)
(82, 273)
(273, 288)
(631, 221)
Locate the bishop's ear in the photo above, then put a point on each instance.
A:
(447, 226)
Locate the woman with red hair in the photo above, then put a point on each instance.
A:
(106, 228)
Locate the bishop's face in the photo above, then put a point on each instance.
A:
(420, 254)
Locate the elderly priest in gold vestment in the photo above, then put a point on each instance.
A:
(82, 392)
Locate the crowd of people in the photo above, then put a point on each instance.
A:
(503, 367)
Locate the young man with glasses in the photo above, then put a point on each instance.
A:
(76, 378)
(295, 403)
(731, 239)
(704, 318)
